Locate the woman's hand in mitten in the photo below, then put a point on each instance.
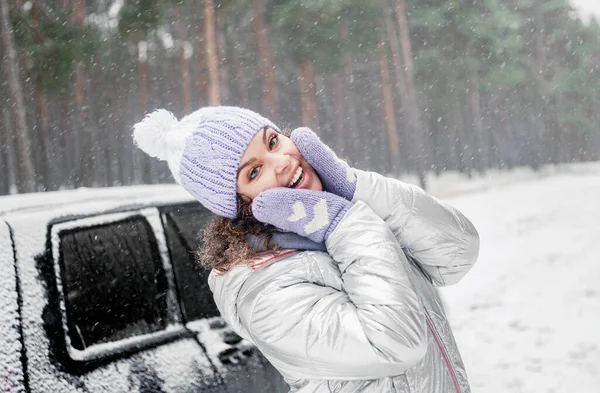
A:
(336, 175)
(309, 213)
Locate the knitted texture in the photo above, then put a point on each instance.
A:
(203, 150)
(309, 213)
(335, 174)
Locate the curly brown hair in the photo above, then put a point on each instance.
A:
(225, 243)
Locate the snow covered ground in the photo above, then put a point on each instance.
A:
(527, 316)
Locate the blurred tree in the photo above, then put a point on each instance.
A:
(26, 174)
(416, 129)
(388, 100)
(214, 91)
(309, 30)
(183, 60)
(266, 68)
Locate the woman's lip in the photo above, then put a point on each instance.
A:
(305, 179)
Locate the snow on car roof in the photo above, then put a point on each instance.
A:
(111, 197)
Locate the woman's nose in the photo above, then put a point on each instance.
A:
(281, 163)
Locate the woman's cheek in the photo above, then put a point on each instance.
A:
(265, 185)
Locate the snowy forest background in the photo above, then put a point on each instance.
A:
(396, 86)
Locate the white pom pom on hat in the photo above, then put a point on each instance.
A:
(152, 134)
(160, 135)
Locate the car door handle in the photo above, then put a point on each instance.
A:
(235, 354)
(231, 338)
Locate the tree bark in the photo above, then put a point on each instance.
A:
(307, 94)
(266, 68)
(26, 179)
(43, 138)
(42, 109)
(339, 115)
(401, 86)
(210, 48)
(539, 124)
(82, 140)
(186, 91)
(351, 122)
(201, 79)
(388, 104)
(142, 75)
(508, 139)
(222, 51)
(143, 173)
(5, 164)
(457, 138)
(240, 78)
(475, 106)
(413, 113)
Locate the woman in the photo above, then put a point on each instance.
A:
(328, 270)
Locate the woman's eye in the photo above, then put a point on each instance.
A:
(254, 172)
(273, 141)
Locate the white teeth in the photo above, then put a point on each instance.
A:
(296, 176)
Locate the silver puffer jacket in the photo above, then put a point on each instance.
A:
(363, 317)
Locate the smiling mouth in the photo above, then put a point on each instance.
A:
(297, 179)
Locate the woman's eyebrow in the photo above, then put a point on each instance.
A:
(250, 161)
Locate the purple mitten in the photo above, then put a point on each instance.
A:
(336, 175)
(309, 213)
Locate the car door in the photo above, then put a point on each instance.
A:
(240, 365)
(120, 316)
(11, 367)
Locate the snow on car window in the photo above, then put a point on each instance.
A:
(183, 229)
(114, 282)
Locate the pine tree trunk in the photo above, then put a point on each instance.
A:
(5, 167)
(201, 79)
(339, 115)
(401, 87)
(458, 139)
(84, 164)
(307, 94)
(26, 179)
(351, 122)
(538, 118)
(210, 48)
(186, 89)
(43, 137)
(43, 124)
(508, 145)
(475, 106)
(266, 69)
(143, 172)
(65, 140)
(222, 51)
(142, 75)
(240, 78)
(389, 114)
(413, 112)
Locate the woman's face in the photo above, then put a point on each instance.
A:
(272, 160)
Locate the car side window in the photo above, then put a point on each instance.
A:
(183, 228)
(114, 282)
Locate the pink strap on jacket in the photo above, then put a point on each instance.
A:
(261, 259)
(264, 258)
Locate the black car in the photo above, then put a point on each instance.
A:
(100, 292)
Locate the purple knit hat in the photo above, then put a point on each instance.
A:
(203, 150)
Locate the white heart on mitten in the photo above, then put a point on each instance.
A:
(350, 175)
(320, 220)
(298, 212)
